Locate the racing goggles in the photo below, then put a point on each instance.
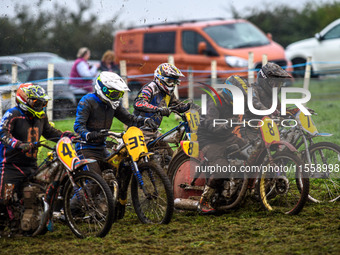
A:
(170, 81)
(112, 94)
(37, 104)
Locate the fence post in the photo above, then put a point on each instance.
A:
(171, 60)
(50, 76)
(190, 83)
(264, 59)
(307, 73)
(250, 66)
(123, 72)
(14, 80)
(213, 73)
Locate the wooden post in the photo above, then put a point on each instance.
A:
(213, 73)
(190, 84)
(250, 67)
(306, 80)
(123, 74)
(171, 60)
(14, 87)
(264, 59)
(50, 76)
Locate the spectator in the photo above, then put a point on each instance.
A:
(107, 62)
(81, 69)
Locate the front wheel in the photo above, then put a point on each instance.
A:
(154, 201)
(89, 208)
(325, 179)
(283, 185)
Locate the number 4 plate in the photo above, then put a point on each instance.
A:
(66, 152)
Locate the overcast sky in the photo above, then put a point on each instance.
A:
(141, 12)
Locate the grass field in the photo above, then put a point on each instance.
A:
(248, 230)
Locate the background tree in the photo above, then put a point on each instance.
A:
(62, 31)
(287, 24)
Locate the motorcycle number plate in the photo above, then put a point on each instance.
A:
(306, 123)
(66, 152)
(269, 130)
(193, 118)
(190, 148)
(135, 143)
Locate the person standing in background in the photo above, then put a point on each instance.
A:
(82, 71)
(107, 62)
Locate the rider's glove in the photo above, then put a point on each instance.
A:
(151, 123)
(68, 134)
(182, 107)
(164, 111)
(26, 146)
(92, 136)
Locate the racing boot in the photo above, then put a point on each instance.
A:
(204, 204)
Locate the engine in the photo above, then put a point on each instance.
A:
(33, 208)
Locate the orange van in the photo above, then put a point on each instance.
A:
(194, 44)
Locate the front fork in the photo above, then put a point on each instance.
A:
(139, 177)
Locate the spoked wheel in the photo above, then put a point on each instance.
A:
(325, 179)
(285, 189)
(89, 208)
(155, 202)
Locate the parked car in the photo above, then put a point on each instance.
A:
(194, 44)
(324, 49)
(33, 59)
(6, 63)
(64, 103)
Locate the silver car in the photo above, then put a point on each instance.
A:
(64, 103)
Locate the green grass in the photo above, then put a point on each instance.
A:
(248, 230)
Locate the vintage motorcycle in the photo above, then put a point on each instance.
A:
(61, 182)
(151, 191)
(159, 144)
(322, 158)
(284, 190)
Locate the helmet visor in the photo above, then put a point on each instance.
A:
(170, 81)
(37, 104)
(111, 94)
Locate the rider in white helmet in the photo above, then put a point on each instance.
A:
(96, 111)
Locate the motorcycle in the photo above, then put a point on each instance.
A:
(159, 144)
(61, 182)
(151, 191)
(321, 158)
(285, 191)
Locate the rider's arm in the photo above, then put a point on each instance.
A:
(49, 131)
(127, 118)
(83, 113)
(6, 128)
(142, 102)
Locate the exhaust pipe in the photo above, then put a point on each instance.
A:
(186, 204)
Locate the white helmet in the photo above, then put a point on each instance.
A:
(110, 87)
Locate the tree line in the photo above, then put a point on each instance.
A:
(64, 31)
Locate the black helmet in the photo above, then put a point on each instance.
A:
(272, 75)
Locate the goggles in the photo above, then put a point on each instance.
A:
(37, 104)
(170, 81)
(111, 94)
